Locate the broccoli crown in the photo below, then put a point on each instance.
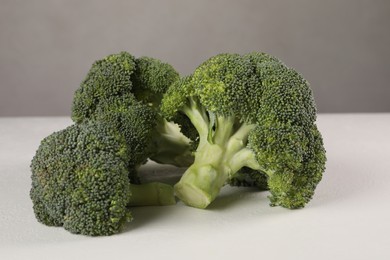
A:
(286, 140)
(126, 93)
(249, 111)
(108, 77)
(79, 180)
(226, 86)
(119, 75)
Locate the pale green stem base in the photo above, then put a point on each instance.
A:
(216, 160)
(152, 194)
(201, 183)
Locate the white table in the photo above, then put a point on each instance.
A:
(349, 217)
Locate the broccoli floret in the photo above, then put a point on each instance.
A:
(80, 181)
(252, 112)
(107, 78)
(127, 92)
(136, 122)
(151, 80)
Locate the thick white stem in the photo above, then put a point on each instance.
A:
(215, 161)
(202, 182)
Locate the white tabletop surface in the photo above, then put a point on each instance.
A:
(348, 218)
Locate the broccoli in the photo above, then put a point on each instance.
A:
(127, 92)
(84, 176)
(255, 120)
(243, 120)
(80, 181)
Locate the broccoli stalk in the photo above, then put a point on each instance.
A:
(151, 194)
(221, 152)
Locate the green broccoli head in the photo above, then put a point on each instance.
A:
(250, 111)
(79, 180)
(286, 135)
(107, 78)
(225, 86)
(126, 92)
(286, 97)
(119, 75)
(294, 158)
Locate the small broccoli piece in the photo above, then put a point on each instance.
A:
(127, 92)
(80, 181)
(250, 112)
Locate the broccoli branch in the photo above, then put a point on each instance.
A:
(171, 146)
(221, 153)
(152, 194)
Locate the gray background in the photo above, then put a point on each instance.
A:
(342, 47)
